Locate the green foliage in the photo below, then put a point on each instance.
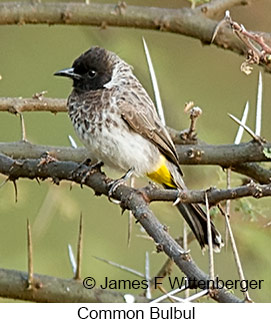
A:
(249, 211)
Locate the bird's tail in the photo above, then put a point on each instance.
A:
(170, 176)
(196, 218)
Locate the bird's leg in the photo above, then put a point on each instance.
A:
(114, 184)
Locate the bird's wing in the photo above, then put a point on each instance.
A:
(144, 120)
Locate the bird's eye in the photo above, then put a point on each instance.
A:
(92, 74)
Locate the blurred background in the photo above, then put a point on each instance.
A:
(186, 70)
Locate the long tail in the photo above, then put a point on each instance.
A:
(197, 221)
(170, 176)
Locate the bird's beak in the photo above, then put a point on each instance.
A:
(68, 72)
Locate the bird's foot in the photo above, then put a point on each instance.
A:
(114, 184)
(86, 172)
(178, 199)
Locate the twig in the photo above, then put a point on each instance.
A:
(228, 206)
(248, 130)
(235, 253)
(130, 216)
(30, 281)
(257, 49)
(195, 112)
(197, 295)
(237, 141)
(122, 267)
(210, 241)
(19, 105)
(259, 106)
(170, 294)
(77, 275)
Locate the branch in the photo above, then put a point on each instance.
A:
(215, 195)
(218, 7)
(241, 158)
(50, 168)
(13, 284)
(194, 23)
(18, 105)
(129, 198)
(254, 171)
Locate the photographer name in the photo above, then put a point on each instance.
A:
(176, 282)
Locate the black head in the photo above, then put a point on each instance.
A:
(90, 71)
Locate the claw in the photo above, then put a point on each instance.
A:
(178, 200)
(86, 173)
(116, 183)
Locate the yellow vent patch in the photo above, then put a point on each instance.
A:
(162, 175)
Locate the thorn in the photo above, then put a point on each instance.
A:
(228, 206)
(235, 251)
(4, 182)
(185, 242)
(130, 216)
(72, 259)
(30, 283)
(170, 294)
(147, 275)
(248, 130)
(37, 180)
(72, 142)
(259, 106)
(240, 131)
(129, 270)
(156, 91)
(22, 127)
(196, 296)
(226, 19)
(15, 190)
(77, 275)
(217, 27)
(210, 241)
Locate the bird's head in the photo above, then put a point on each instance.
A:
(91, 70)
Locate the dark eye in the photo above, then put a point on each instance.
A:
(92, 74)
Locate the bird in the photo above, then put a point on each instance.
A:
(117, 121)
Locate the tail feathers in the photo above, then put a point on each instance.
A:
(197, 221)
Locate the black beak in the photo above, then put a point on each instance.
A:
(68, 72)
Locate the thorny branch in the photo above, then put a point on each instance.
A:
(183, 21)
(13, 284)
(197, 23)
(135, 200)
(258, 50)
(242, 158)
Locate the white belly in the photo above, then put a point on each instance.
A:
(120, 148)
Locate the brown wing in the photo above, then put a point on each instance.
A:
(144, 120)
